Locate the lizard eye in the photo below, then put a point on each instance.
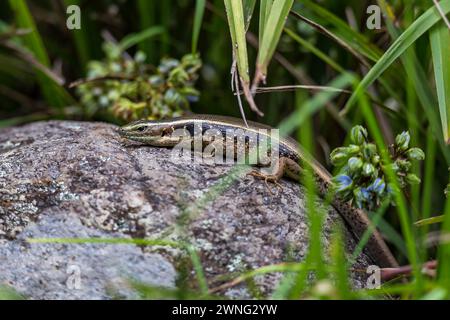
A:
(141, 129)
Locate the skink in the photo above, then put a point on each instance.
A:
(291, 161)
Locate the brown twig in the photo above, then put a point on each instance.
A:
(28, 57)
(14, 33)
(296, 87)
(428, 268)
(438, 6)
(99, 79)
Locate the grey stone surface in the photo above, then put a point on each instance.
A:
(80, 180)
(77, 271)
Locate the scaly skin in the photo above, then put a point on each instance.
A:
(292, 159)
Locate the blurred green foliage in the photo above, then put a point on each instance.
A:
(128, 89)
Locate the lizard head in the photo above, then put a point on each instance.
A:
(154, 133)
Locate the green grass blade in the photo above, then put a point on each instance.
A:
(368, 233)
(347, 41)
(339, 265)
(385, 228)
(236, 22)
(24, 119)
(198, 18)
(147, 18)
(429, 176)
(314, 105)
(401, 44)
(249, 7)
(135, 38)
(33, 39)
(428, 221)
(264, 9)
(80, 36)
(310, 47)
(440, 48)
(198, 269)
(316, 216)
(7, 293)
(393, 236)
(342, 29)
(166, 12)
(55, 95)
(444, 252)
(435, 294)
(272, 32)
(418, 77)
(135, 241)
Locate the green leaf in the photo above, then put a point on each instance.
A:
(338, 261)
(444, 251)
(342, 29)
(80, 36)
(235, 14)
(7, 293)
(249, 7)
(428, 221)
(147, 18)
(420, 81)
(23, 119)
(237, 23)
(401, 44)
(55, 95)
(313, 105)
(264, 11)
(198, 18)
(440, 48)
(135, 38)
(272, 32)
(310, 47)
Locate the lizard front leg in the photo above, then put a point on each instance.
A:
(283, 167)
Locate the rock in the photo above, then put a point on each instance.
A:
(62, 179)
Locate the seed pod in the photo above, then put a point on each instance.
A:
(369, 150)
(355, 164)
(358, 135)
(403, 164)
(402, 141)
(368, 169)
(375, 159)
(415, 154)
(339, 156)
(353, 149)
(412, 179)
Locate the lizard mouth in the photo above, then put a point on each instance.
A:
(133, 135)
(144, 137)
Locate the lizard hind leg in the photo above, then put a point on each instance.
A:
(272, 177)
